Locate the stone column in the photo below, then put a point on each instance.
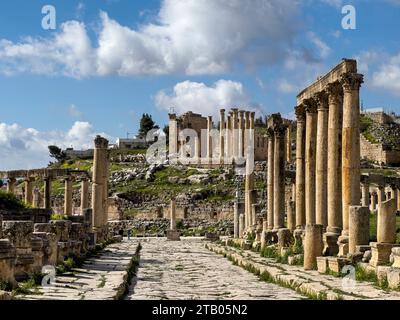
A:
(68, 197)
(380, 196)
(246, 132)
(249, 186)
(398, 199)
(235, 134)
(11, 185)
(311, 134)
(270, 180)
(47, 193)
(241, 134)
(279, 176)
(358, 227)
(99, 199)
(228, 147)
(365, 194)
(173, 134)
(173, 215)
(36, 198)
(28, 191)
(241, 225)
(236, 218)
(334, 188)
(321, 206)
(289, 144)
(84, 195)
(197, 150)
(253, 211)
(300, 168)
(312, 245)
(373, 201)
(291, 216)
(222, 136)
(386, 227)
(209, 139)
(350, 145)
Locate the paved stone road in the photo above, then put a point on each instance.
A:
(187, 270)
(99, 278)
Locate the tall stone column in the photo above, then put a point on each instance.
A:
(241, 134)
(173, 134)
(279, 176)
(241, 225)
(373, 201)
(47, 193)
(321, 205)
(228, 147)
(209, 139)
(291, 216)
(300, 168)
(246, 132)
(11, 185)
(68, 197)
(398, 199)
(222, 136)
(36, 198)
(249, 186)
(350, 145)
(99, 198)
(380, 196)
(288, 144)
(28, 191)
(84, 195)
(235, 134)
(270, 179)
(311, 134)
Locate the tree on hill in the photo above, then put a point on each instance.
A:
(57, 153)
(146, 124)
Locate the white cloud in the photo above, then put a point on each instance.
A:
(190, 37)
(323, 49)
(387, 75)
(26, 148)
(203, 99)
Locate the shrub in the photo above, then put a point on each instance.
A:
(9, 201)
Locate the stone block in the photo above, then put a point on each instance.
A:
(331, 247)
(173, 235)
(62, 229)
(49, 247)
(381, 273)
(336, 264)
(363, 248)
(19, 233)
(295, 259)
(343, 243)
(7, 261)
(285, 238)
(380, 253)
(396, 257)
(393, 279)
(212, 236)
(322, 264)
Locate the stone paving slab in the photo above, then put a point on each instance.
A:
(185, 270)
(99, 278)
(310, 282)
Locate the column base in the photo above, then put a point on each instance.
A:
(331, 247)
(298, 235)
(381, 253)
(343, 243)
(173, 235)
(285, 238)
(268, 237)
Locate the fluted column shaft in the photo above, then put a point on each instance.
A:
(270, 181)
(300, 168)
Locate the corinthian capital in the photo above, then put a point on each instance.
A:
(335, 92)
(322, 100)
(300, 112)
(310, 106)
(351, 81)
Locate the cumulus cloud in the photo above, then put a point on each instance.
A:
(190, 37)
(74, 112)
(387, 75)
(207, 100)
(26, 148)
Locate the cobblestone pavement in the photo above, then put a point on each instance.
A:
(100, 278)
(187, 270)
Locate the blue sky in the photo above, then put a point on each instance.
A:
(109, 61)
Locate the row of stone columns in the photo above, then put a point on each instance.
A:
(328, 159)
(34, 197)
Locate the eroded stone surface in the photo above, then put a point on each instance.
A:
(187, 270)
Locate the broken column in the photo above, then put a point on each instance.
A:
(172, 233)
(358, 227)
(84, 195)
(36, 198)
(241, 225)
(28, 191)
(173, 135)
(312, 245)
(386, 234)
(47, 193)
(351, 83)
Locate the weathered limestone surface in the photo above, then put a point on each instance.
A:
(100, 278)
(358, 227)
(309, 282)
(187, 270)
